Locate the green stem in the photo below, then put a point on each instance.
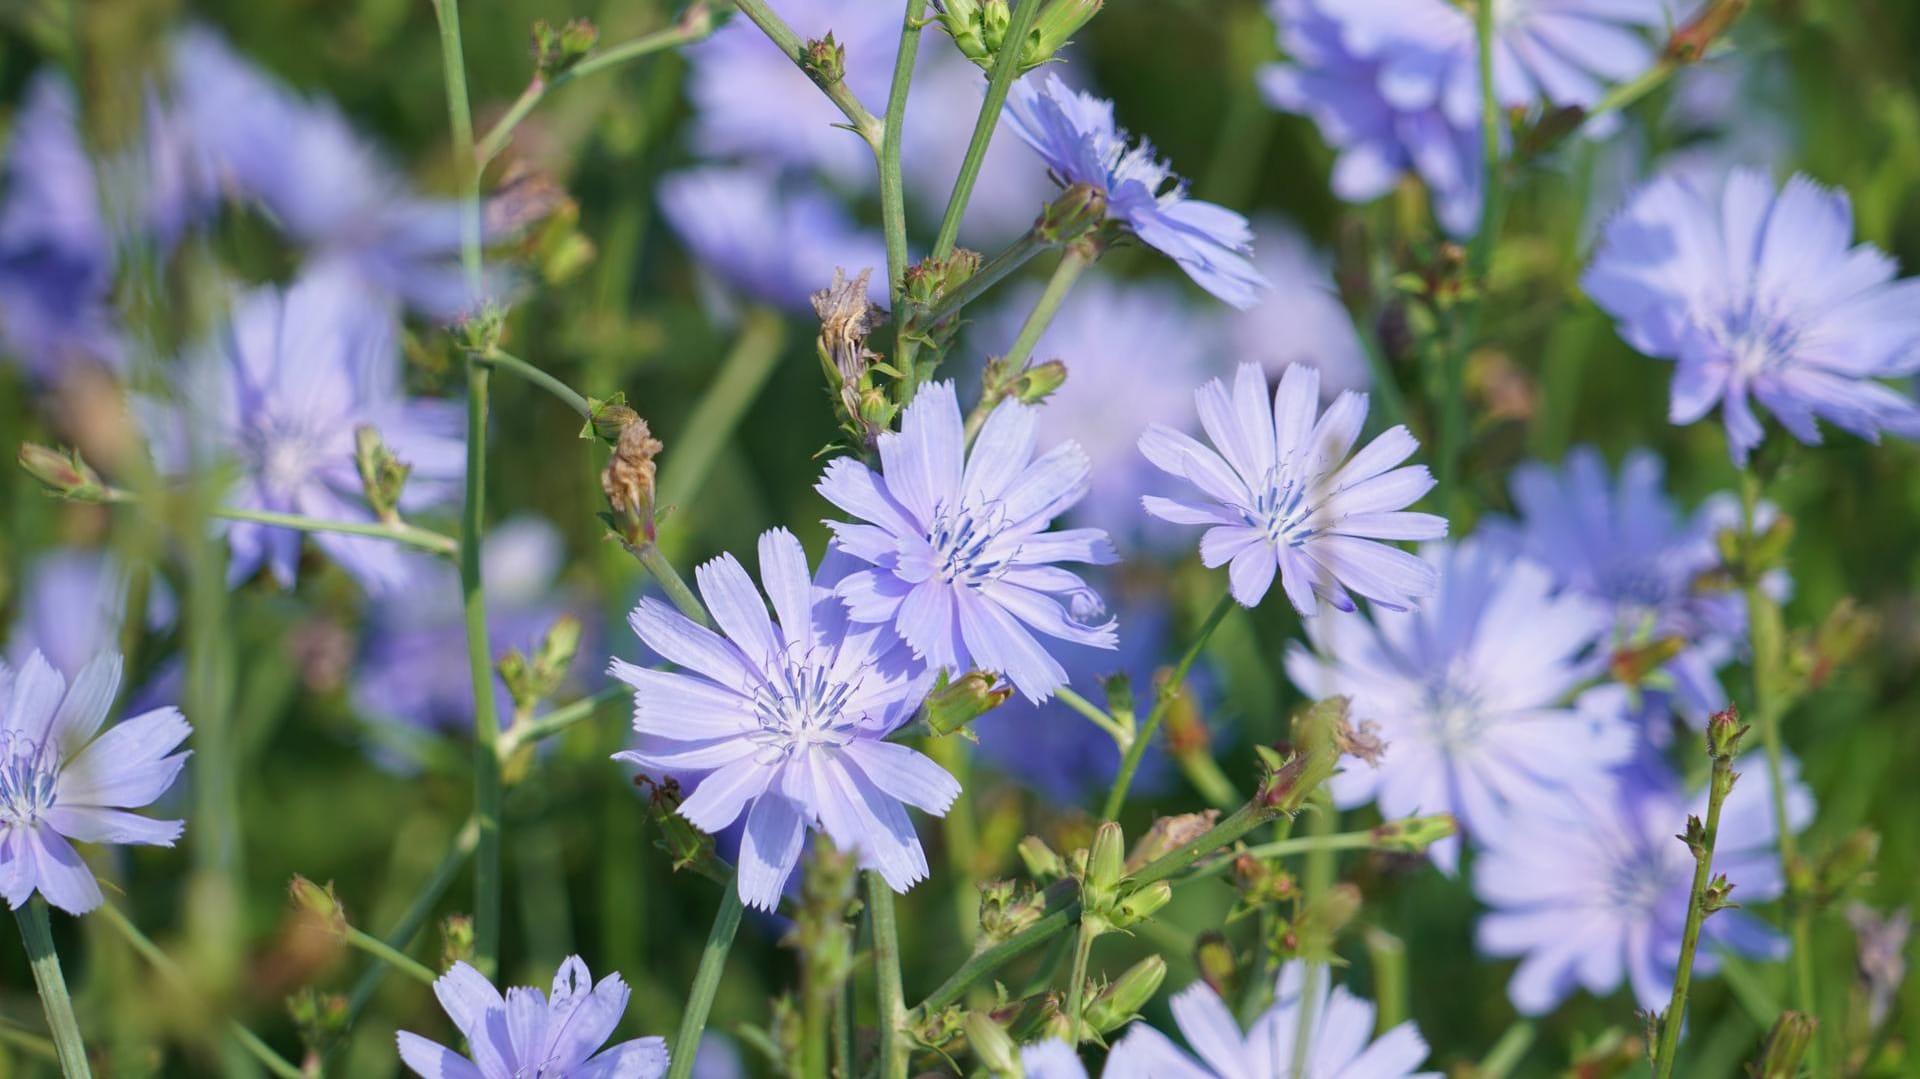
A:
(414, 918)
(706, 982)
(1676, 1012)
(1011, 258)
(506, 361)
(558, 720)
(1315, 942)
(423, 538)
(1076, 259)
(771, 24)
(19, 1037)
(694, 25)
(1130, 763)
(756, 352)
(1006, 67)
(37, 935)
(671, 582)
(486, 722)
(171, 971)
(886, 965)
(893, 197)
(388, 954)
(1507, 1052)
(1122, 737)
(460, 124)
(1077, 984)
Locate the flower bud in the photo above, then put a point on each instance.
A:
(939, 1028)
(1039, 381)
(319, 901)
(1168, 834)
(826, 60)
(1006, 909)
(1106, 859)
(992, 1044)
(953, 705)
(1073, 213)
(1042, 862)
(65, 475)
(995, 17)
(1412, 835)
(456, 940)
(319, 1017)
(961, 19)
(685, 845)
(382, 475)
(1215, 959)
(1724, 732)
(1718, 896)
(1054, 27)
(1143, 904)
(1840, 639)
(554, 51)
(606, 419)
(1120, 1003)
(1786, 1044)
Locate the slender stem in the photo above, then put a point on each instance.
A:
(424, 538)
(1122, 737)
(886, 966)
(706, 982)
(756, 352)
(1676, 1013)
(416, 915)
(771, 24)
(1006, 67)
(1130, 763)
(171, 971)
(694, 25)
(1480, 253)
(460, 123)
(843, 1012)
(1076, 259)
(558, 720)
(37, 934)
(893, 197)
(390, 955)
(1315, 942)
(1283, 848)
(990, 273)
(671, 582)
(486, 717)
(538, 376)
(1507, 1052)
(1077, 984)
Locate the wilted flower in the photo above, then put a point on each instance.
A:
(59, 782)
(787, 720)
(1468, 692)
(1338, 1046)
(963, 566)
(279, 392)
(1592, 887)
(1286, 498)
(1075, 134)
(728, 216)
(1300, 320)
(1762, 296)
(528, 1033)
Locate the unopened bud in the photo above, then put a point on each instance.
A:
(554, 51)
(1724, 731)
(1120, 1003)
(319, 901)
(1106, 859)
(319, 1017)
(1167, 835)
(1054, 28)
(530, 681)
(953, 705)
(606, 419)
(1214, 958)
(1043, 863)
(1073, 213)
(992, 1044)
(1006, 909)
(64, 474)
(1140, 905)
(826, 60)
(382, 475)
(1718, 896)
(1785, 1046)
(1412, 835)
(939, 1028)
(1838, 641)
(1039, 381)
(456, 940)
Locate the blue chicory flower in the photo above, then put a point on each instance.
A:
(1283, 496)
(58, 782)
(527, 1033)
(1052, 1059)
(962, 564)
(1759, 295)
(726, 215)
(1591, 889)
(73, 606)
(1075, 133)
(1467, 694)
(787, 720)
(1340, 1045)
(280, 393)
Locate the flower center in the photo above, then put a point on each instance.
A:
(1755, 342)
(1281, 509)
(1640, 879)
(285, 454)
(960, 539)
(1455, 716)
(27, 778)
(804, 706)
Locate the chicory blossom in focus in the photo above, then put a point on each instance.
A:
(1283, 496)
(528, 1033)
(963, 566)
(1762, 296)
(1340, 1043)
(788, 720)
(58, 782)
(279, 393)
(1467, 694)
(726, 216)
(1075, 133)
(1591, 889)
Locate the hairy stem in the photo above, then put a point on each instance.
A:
(486, 717)
(1676, 1013)
(886, 965)
(706, 982)
(37, 935)
(1130, 763)
(893, 197)
(1006, 67)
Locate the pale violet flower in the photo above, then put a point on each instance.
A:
(1469, 693)
(1590, 889)
(59, 782)
(279, 392)
(725, 216)
(1300, 320)
(1052, 1059)
(1762, 296)
(73, 604)
(1282, 495)
(1075, 133)
(528, 1034)
(788, 720)
(963, 565)
(1340, 1043)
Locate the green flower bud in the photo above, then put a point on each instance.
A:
(953, 705)
(1412, 835)
(1632, 666)
(1043, 863)
(319, 901)
(382, 475)
(554, 51)
(65, 475)
(1786, 1044)
(1215, 959)
(1141, 905)
(1106, 859)
(1073, 213)
(1039, 381)
(1724, 732)
(1054, 27)
(456, 940)
(826, 60)
(995, 17)
(993, 1045)
(1120, 1003)
(961, 19)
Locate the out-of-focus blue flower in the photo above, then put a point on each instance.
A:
(1052, 1059)
(527, 1033)
(1133, 351)
(1467, 693)
(1762, 297)
(414, 665)
(73, 606)
(1340, 1043)
(279, 393)
(58, 782)
(1591, 889)
(56, 247)
(1076, 135)
(1056, 750)
(1283, 496)
(1624, 545)
(963, 566)
(322, 184)
(775, 241)
(1300, 320)
(788, 720)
